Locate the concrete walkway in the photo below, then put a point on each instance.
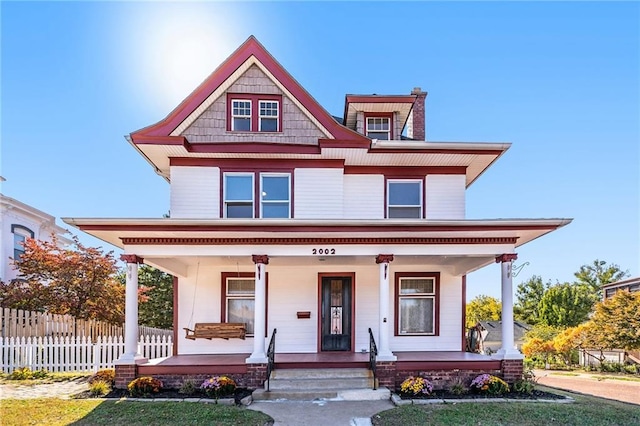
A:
(321, 413)
(592, 384)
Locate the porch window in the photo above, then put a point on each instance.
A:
(417, 304)
(241, 115)
(240, 304)
(275, 195)
(20, 235)
(379, 128)
(238, 195)
(404, 198)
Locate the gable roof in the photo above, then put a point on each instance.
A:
(252, 52)
(494, 329)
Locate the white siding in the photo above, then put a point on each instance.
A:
(364, 197)
(318, 193)
(195, 192)
(445, 197)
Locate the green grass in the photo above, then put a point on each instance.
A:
(51, 378)
(586, 411)
(53, 411)
(556, 373)
(623, 378)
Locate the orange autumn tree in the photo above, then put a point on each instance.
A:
(75, 280)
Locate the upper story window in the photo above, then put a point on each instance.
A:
(20, 235)
(274, 196)
(404, 198)
(379, 128)
(254, 113)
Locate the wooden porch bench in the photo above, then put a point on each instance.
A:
(217, 330)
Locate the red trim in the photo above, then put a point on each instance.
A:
(255, 110)
(379, 150)
(339, 143)
(481, 366)
(223, 298)
(249, 48)
(381, 99)
(253, 148)
(401, 171)
(131, 258)
(318, 240)
(384, 258)
(351, 275)
(464, 313)
(388, 115)
(256, 164)
(175, 315)
(157, 370)
(396, 316)
(507, 257)
(140, 139)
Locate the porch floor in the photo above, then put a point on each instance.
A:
(235, 363)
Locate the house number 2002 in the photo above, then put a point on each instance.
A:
(323, 251)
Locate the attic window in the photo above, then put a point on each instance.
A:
(379, 128)
(254, 113)
(241, 115)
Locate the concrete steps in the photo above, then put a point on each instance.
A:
(301, 384)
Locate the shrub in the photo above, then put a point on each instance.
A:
(40, 374)
(99, 388)
(486, 383)
(458, 387)
(416, 386)
(188, 387)
(218, 386)
(144, 386)
(107, 375)
(631, 369)
(524, 386)
(23, 373)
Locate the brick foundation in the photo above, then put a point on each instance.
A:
(386, 373)
(443, 379)
(512, 370)
(124, 375)
(256, 375)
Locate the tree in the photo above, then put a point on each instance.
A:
(565, 305)
(569, 340)
(616, 322)
(157, 309)
(76, 280)
(483, 308)
(597, 274)
(528, 297)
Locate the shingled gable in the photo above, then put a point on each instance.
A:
(250, 53)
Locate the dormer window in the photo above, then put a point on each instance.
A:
(254, 113)
(378, 128)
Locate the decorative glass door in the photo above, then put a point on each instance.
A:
(336, 314)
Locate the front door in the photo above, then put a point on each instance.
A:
(335, 329)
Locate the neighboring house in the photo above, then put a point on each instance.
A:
(631, 284)
(493, 338)
(284, 218)
(19, 221)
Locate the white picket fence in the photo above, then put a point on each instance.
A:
(74, 353)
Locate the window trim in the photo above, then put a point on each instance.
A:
(436, 309)
(224, 192)
(23, 231)
(277, 117)
(389, 180)
(274, 174)
(387, 115)
(255, 100)
(223, 298)
(233, 116)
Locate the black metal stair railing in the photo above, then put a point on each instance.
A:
(373, 352)
(271, 357)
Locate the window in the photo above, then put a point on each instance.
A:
(268, 116)
(241, 113)
(238, 298)
(254, 113)
(274, 196)
(379, 128)
(417, 303)
(238, 195)
(20, 235)
(404, 198)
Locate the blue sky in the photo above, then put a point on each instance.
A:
(561, 81)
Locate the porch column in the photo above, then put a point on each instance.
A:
(259, 355)
(508, 350)
(131, 354)
(384, 353)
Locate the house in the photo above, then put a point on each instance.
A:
(630, 284)
(348, 237)
(492, 340)
(19, 221)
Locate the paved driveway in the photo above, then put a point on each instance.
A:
(592, 384)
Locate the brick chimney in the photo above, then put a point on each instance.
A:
(417, 127)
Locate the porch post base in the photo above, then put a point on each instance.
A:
(508, 354)
(512, 370)
(257, 359)
(128, 359)
(382, 357)
(125, 373)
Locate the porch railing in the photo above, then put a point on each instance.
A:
(373, 352)
(271, 357)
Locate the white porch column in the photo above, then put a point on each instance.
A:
(259, 355)
(131, 354)
(384, 353)
(508, 350)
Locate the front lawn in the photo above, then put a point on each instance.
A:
(53, 411)
(585, 411)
